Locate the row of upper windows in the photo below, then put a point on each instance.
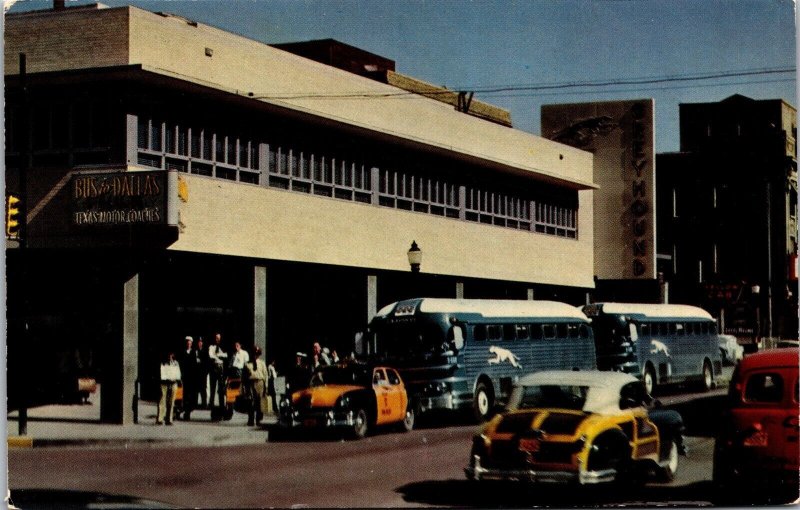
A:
(677, 328)
(203, 151)
(512, 332)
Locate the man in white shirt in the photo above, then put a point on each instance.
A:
(170, 375)
(240, 359)
(217, 357)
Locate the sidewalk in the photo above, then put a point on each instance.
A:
(79, 425)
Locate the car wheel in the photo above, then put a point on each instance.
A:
(360, 424)
(670, 466)
(649, 378)
(708, 376)
(483, 402)
(408, 420)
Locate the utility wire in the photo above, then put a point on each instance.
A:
(539, 87)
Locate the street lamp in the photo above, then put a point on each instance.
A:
(755, 290)
(414, 257)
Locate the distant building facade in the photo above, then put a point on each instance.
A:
(182, 180)
(727, 215)
(621, 137)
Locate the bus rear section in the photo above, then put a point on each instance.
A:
(459, 354)
(660, 343)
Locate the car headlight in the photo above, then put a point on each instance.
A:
(285, 403)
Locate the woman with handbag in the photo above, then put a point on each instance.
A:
(256, 374)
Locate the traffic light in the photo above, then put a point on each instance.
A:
(12, 217)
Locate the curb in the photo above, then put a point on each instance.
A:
(20, 442)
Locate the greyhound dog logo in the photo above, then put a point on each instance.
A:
(658, 347)
(502, 355)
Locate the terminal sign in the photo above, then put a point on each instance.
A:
(120, 198)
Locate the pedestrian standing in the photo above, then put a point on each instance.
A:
(202, 373)
(240, 359)
(256, 373)
(319, 357)
(187, 362)
(217, 382)
(272, 400)
(170, 375)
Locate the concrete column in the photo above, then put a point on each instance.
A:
(260, 310)
(116, 399)
(132, 139)
(372, 296)
(530, 294)
(459, 290)
(372, 309)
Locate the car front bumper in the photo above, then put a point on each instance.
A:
(318, 419)
(478, 472)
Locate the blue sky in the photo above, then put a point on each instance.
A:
(474, 45)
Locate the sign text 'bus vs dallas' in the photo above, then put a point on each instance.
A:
(119, 198)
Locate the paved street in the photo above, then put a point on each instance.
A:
(423, 467)
(420, 468)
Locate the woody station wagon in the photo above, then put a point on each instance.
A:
(586, 427)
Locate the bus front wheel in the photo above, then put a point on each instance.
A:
(483, 402)
(649, 379)
(708, 376)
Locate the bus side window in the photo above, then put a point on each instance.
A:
(509, 332)
(561, 330)
(572, 330)
(645, 329)
(673, 328)
(494, 332)
(663, 329)
(549, 330)
(692, 328)
(704, 328)
(523, 332)
(479, 333)
(712, 328)
(583, 331)
(536, 331)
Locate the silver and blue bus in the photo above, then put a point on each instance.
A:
(660, 343)
(466, 354)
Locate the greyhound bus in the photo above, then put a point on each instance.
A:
(660, 343)
(465, 354)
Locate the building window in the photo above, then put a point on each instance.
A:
(198, 150)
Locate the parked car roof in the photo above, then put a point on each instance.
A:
(594, 378)
(789, 356)
(603, 396)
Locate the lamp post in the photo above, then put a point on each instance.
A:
(414, 257)
(755, 291)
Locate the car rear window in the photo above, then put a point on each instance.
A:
(764, 387)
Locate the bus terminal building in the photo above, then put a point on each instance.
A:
(177, 179)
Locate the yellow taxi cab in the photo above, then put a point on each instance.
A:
(585, 427)
(352, 396)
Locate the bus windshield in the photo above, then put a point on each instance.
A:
(410, 340)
